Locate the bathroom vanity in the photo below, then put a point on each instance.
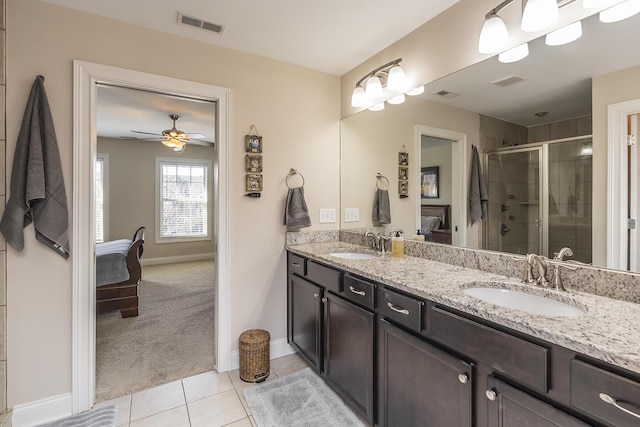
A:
(402, 343)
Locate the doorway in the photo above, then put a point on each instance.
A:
(86, 77)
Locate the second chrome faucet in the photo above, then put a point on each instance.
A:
(539, 264)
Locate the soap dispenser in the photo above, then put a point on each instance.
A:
(397, 245)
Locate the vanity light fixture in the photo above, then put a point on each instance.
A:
(494, 35)
(515, 54)
(539, 14)
(564, 35)
(386, 82)
(416, 91)
(621, 11)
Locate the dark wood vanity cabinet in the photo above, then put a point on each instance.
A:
(419, 384)
(305, 320)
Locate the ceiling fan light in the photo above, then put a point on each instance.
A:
(416, 91)
(377, 107)
(359, 97)
(373, 89)
(564, 35)
(493, 36)
(397, 80)
(397, 99)
(539, 14)
(620, 11)
(515, 54)
(173, 143)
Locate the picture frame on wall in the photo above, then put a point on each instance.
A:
(429, 184)
(403, 188)
(254, 182)
(403, 158)
(253, 143)
(403, 173)
(254, 163)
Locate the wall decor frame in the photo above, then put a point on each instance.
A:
(254, 182)
(253, 163)
(253, 143)
(403, 158)
(403, 173)
(429, 182)
(403, 188)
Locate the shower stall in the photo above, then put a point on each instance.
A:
(540, 198)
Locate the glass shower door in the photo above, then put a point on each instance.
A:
(514, 180)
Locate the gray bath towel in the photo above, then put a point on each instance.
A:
(478, 198)
(296, 214)
(382, 207)
(37, 185)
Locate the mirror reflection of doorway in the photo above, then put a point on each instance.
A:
(142, 181)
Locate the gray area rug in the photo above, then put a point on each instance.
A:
(172, 337)
(301, 399)
(100, 417)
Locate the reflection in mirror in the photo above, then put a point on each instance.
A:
(532, 122)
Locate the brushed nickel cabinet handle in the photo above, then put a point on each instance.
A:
(324, 300)
(610, 400)
(398, 309)
(491, 395)
(357, 292)
(316, 295)
(463, 378)
(296, 264)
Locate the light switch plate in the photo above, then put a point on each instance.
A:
(327, 216)
(351, 214)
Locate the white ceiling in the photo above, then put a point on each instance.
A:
(332, 36)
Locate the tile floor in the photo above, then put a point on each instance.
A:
(205, 400)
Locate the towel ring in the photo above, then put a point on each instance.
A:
(293, 172)
(380, 177)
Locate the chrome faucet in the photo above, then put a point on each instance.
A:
(540, 265)
(563, 252)
(556, 280)
(377, 240)
(528, 269)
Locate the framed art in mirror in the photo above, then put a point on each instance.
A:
(429, 182)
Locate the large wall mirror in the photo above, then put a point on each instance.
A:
(532, 122)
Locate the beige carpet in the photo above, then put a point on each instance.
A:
(172, 338)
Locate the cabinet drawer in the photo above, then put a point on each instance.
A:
(359, 291)
(297, 265)
(517, 358)
(403, 309)
(323, 276)
(589, 383)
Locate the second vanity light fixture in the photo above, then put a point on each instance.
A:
(387, 82)
(538, 15)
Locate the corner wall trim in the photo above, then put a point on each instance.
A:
(277, 348)
(42, 411)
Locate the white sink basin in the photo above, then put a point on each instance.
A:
(533, 304)
(352, 255)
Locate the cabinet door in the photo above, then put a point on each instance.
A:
(305, 319)
(510, 407)
(419, 384)
(349, 347)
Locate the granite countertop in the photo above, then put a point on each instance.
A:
(607, 331)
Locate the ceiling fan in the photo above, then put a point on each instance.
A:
(175, 138)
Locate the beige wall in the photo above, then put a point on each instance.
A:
(295, 109)
(132, 193)
(607, 89)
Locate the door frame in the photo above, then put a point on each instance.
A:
(86, 76)
(617, 175)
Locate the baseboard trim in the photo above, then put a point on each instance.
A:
(277, 348)
(42, 411)
(176, 258)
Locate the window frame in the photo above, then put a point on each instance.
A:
(104, 157)
(158, 205)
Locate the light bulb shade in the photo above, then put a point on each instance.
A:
(397, 80)
(373, 88)
(359, 98)
(564, 35)
(515, 54)
(173, 143)
(396, 99)
(416, 91)
(620, 11)
(539, 14)
(377, 107)
(494, 35)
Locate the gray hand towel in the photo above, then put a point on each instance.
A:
(37, 185)
(478, 198)
(382, 207)
(296, 214)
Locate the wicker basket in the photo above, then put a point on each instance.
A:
(254, 355)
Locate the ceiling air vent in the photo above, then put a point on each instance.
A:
(446, 94)
(200, 23)
(509, 80)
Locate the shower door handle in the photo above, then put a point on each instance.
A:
(538, 223)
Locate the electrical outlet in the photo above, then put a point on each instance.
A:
(351, 215)
(327, 216)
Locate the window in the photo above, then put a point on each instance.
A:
(183, 196)
(101, 192)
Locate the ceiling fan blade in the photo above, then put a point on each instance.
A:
(145, 133)
(201, 142)
(196, 135)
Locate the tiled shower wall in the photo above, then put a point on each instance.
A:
(3, 246)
